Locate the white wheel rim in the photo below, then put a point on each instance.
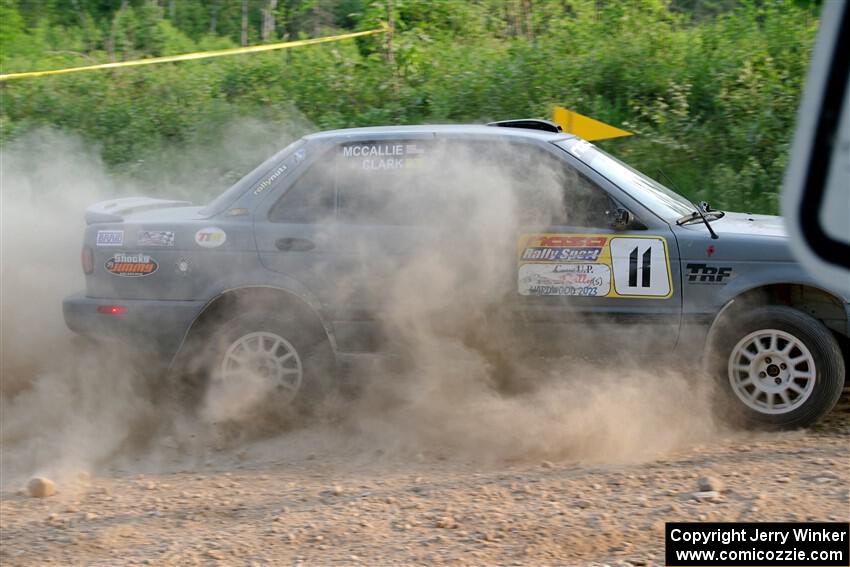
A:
(265, 355)
(772, 371)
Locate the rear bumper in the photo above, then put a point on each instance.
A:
(145, 325)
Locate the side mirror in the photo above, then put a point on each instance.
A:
(619, 219)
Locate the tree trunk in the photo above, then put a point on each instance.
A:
(214, 17)
(268, 20)
(390, 52)
(110, 43)
(528, 16)
(244, 23)
(80, 13)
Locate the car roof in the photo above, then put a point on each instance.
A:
(439, 130)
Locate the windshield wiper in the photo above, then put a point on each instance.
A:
(701, 214)
(699, 210)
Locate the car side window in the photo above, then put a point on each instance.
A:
(585, 203)
(383, 182)
(404, 182)
(310, 198)
(551, 192)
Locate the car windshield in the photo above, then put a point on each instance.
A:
(223, 201)
(664, 202)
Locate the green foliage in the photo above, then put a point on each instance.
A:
(710, 87)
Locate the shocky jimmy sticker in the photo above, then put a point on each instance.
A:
(131, 265)
(156, 238)
(211, 237)
(593, 265)
(110, 238)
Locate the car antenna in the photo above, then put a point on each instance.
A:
(697, 207)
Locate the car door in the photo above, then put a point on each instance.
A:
(381, 186)
(295, 230)
(586, 287)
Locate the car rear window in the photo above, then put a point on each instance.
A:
(270, 171)
(311, 197)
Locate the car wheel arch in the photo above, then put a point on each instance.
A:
(819, 303)
(232, 300)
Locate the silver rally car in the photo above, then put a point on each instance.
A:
(252, 281)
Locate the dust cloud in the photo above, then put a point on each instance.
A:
(473, 386)
(476, 385)
(65, 406)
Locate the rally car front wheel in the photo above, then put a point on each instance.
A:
(779, 367)
(266, 363)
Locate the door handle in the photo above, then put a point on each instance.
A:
(294, 244)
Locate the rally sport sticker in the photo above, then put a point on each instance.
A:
(593, 265)
(131, 265)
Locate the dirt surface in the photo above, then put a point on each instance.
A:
(332, 504)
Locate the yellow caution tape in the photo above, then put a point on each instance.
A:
(584, 126)
(196, 55)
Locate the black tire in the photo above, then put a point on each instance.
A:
(312, 349)
(802, 409)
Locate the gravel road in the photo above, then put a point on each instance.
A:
(334, 505)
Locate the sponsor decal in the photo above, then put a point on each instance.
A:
(299, 156)
(183, 266)
(131, 265)
(563, 248)
(269, 180)
(705, 274)
(110, 238)
(156, 238)
(710, 251)
(580, 147)
(210, 237)
(587, 280)
(594, 265)
(561, 254)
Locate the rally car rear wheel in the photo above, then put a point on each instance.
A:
(779, 367)
(266, 355)
(276, 363)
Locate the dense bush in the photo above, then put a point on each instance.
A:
(709, 88)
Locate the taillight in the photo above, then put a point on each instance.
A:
(87, 260)
(111, 309)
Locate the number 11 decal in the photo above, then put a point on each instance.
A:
(641, 267)
(645, 270)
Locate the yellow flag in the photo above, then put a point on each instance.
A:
(584, 126)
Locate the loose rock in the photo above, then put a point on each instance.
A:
(447, 522)
(707, 495)
(710, 484)
(40, 487)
